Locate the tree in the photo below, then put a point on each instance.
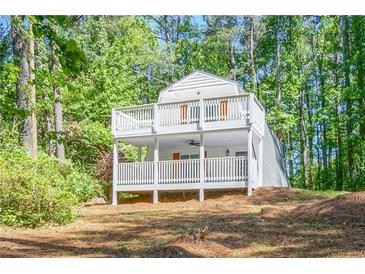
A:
(23, 51)
(58, 116)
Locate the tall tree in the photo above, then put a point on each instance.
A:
(32, 96)
(58, 115)
(23, 52)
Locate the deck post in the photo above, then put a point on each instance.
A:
(261, 159)
(155, 118)
(249, 160)
(201, 113)
(114, 124)
(155, 162)
(115, 173)
(201, 157)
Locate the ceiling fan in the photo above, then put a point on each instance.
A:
(193, 143)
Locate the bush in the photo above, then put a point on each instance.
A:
(81, 184)
(38, 192)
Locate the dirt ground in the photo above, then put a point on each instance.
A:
(270, 223)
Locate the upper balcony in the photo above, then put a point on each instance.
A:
(236, 111)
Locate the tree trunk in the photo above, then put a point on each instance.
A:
(290, 153)
(339, 163)
(277, 68)
(51, 149)
(233, 60)
(32, 97)
(20, 52)
(349, 126)
(58, 119)
(304, 142)
(252, 58)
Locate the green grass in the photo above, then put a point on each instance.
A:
(320, 194)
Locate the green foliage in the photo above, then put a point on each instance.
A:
(38, 192)
(33, 193)
(115, 61)
(71, 57)
(86, 140)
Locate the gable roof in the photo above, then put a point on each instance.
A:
(198, 79)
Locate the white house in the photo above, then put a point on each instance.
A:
(205, 132)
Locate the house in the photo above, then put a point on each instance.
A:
(205, 132)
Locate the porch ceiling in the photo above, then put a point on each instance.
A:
(237, 137)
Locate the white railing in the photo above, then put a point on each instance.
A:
(140, 173)
(179, 171)
(226, 108)
(222, 109)
(225, 169)
(172, 114)
(258, 114)
(134, 118)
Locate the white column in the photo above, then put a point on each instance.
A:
(155, 160)
(249, 159)
(201, 114)
(115, 173)
(139, 154)
(261, 160)
(156, 118)
(202, 175)
(114, 124)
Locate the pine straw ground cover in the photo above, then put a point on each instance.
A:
(270, 223)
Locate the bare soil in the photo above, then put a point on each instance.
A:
(270, 223)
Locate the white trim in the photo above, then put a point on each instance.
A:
(249, 156)
(187, 132)
(115, 173)
(202, 169)
(261, 160)
(185, 186)
(155, 164)
(206, 74)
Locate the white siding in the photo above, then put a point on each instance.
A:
(166, 153)
(199, 85)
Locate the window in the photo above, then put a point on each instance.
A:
(241, 153)
(191, 156)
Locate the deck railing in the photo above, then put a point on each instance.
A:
(179, 171)
(134, 118)
(153, 116)
(226, 169)
(222, 169)
(140, 173)
(258, 114)
(225, 108)
(172, 114)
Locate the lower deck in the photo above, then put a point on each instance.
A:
(209, 160)
(209, 173)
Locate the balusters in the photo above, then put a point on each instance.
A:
(225, 169)
(225, 108)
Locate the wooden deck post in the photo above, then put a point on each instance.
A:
(115, 173)
(155, 162)
(202, 169)
(261, 160)
(249, 160)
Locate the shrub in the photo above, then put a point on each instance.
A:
(38, 192)
(81, 184)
